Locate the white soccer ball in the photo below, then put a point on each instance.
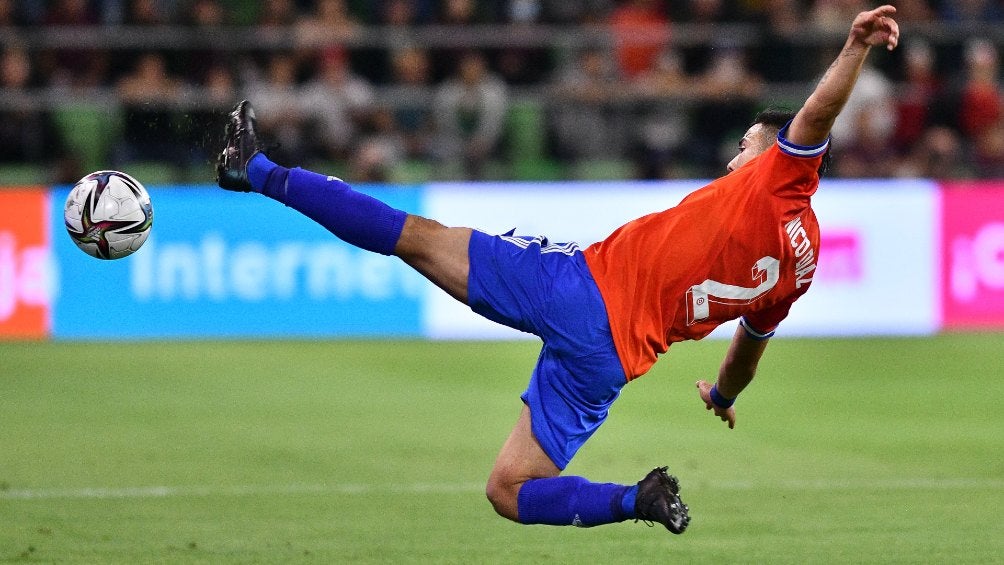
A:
(108, 214)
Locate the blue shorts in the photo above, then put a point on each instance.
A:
(546, 289)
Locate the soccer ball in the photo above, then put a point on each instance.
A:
(108, 214)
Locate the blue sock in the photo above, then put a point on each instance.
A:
(352, 216)
(627, 503)
(564, 501)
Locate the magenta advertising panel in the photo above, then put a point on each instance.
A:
(972, 251)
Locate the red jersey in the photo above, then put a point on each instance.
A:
(744, 245)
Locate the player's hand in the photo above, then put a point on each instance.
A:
(876, 28)
(726, 414)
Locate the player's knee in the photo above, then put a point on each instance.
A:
(504, 497)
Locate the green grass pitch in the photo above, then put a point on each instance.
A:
(845, 451)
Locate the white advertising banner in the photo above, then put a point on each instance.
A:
(878, 267)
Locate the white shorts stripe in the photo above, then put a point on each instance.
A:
(569, 248)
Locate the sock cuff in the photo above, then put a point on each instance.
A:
(626, 502)
(259, 167)
(525, 507)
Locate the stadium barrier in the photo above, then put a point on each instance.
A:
(900, 257)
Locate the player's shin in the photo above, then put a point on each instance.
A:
(574, 501)
(353, 217)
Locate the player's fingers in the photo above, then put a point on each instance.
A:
(886, 10)
(704, 389)
(893, 34)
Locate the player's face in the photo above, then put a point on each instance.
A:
(755, 142)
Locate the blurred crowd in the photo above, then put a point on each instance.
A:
(351, 85)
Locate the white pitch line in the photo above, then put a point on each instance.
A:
(102, 493)
(235, 490)
(864, 484)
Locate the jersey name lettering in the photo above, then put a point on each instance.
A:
(804, 253)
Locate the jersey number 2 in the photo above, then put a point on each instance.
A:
(766, 272)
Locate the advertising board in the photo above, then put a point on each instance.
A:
(972, 248)
(26, 269)
(897, 257)
(226, 265)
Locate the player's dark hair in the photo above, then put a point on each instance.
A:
(774, 118)
(777, 118)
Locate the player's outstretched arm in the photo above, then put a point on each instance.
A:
(812, 124)
(736, 372)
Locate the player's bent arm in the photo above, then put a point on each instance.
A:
(736, 372)
(812, 124)
(740, 363)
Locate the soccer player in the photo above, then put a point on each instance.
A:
(744, 246)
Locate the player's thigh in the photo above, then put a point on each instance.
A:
(438, 252)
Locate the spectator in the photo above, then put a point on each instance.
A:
(833, 15)
(459, 16)
(337, 101)
(523, 65)
(980, 99)
(10, 14)
(915, 11)
(63, 66)
(331, 24)
(276, 14)
(971, 11)
(588, 123)
(461, 13)
(709, 13)
(397, 18)
(726, 94)
(69, 13)
(781, 58)
(470, 113)
(989, 152)
(205, 124)
(147, 13)
(206, 14)
(640, 30)
(147, 96)
(381, 147)
(863, 131)
(916, 95)
(869, 154)
(401, 14)
(583, 12)
(285, 117)
(404, 13)
(728, 76)
(523, 11)
(27, 132)
(206, 17)
(662, 126)
(937, 155)
(412, 109)
(981, 107)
